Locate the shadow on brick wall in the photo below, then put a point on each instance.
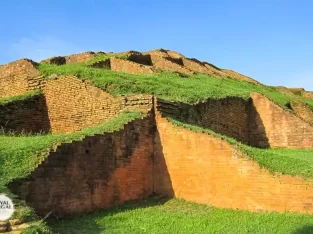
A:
(233, 117)
(162, 183)
(25, 116)
(257, 131)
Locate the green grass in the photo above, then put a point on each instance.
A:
(294, 162)
(4, 101)
(168, 85)
(20, 155)
(160, 216)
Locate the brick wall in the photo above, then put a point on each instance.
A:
(302, 110)
(74, 104)
(29, 115)
(18, 77)
(228, 116)
(130, 67)
(96, 173)
(272, 126)
(201, 168)
(307, 94)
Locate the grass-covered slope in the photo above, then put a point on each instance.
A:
(161, 216)
(20, 155)
(169, 86)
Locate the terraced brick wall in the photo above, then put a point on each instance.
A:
(74, 104)
(229, 116)
(18, 77)
(201, 168)
(130, 67)
(29, 115)
(270, 125)
(96, 173)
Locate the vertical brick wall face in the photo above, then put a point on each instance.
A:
(271, 126)
(96, 173)
(229, 116)
(201, 168)
(29, 115)
(74, 104)
(18, 77)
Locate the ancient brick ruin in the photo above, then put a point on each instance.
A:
(151, 155)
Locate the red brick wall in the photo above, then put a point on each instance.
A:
(29, 115)
(228, 116)
(18, 77)
(130, 67)
(201, 168)
(74, 104)
(272, 126)
(96, 173)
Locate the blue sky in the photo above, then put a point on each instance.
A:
(269, 40)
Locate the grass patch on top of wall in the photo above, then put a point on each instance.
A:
(169, 86)
(20, 155)
(6, 100)
(294, 162)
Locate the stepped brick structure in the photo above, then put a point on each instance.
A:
(151, 155)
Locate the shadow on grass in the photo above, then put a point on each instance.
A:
(87, 223)
(304, 230)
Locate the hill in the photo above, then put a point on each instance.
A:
(89, 131)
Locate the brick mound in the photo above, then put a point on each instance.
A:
(74, 58)
(18, 77)
(158, 60)
(307, 94)
(239, 76)
(130, 67)
(152, 156)
(302, 110)
(294, 91)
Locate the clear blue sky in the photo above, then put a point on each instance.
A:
(269, 40)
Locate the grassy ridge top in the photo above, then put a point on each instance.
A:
(170, 86)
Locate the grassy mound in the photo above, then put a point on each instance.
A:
(170, 86)
(178, 216)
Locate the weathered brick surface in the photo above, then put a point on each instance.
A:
(96, 173)
(130, 67)
(29, 115)
(308, 94)
(58, 60)
(201, 168)
(199, 67)
(239, 76)
(302, 110)
(74, 104)
(228, 116)
(18, 77)
(81, 57)
(272, 126)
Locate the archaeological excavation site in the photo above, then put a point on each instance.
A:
(88, 132)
